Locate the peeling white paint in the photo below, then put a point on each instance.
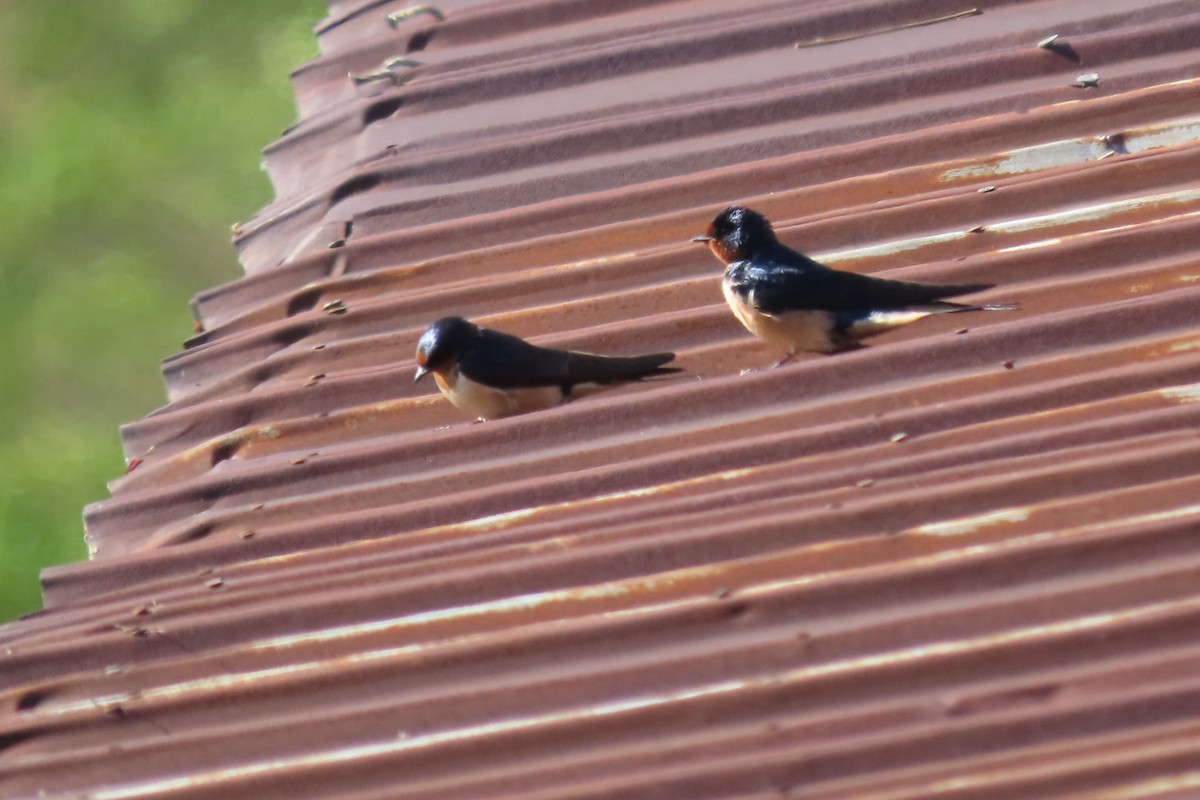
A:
(1089, 234)
(957, 527)
(1022, 224)
(1051, 155)
(508, 604)
(1031, 245)
(406, 741)
(1184, 394)
(1144, 790)
(1098, 211)
(498, 521)
(506, 518)
(889, 248)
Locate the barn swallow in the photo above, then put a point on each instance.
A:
(492, 374)
(784, 297)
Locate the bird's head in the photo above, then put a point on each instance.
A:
(736, 233)
(442, 344)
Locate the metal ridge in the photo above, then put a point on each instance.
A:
(960, 563)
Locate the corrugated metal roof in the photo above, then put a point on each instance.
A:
(960, 563)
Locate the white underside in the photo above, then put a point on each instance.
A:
(486, 402)
(880, 321)
(811, 331)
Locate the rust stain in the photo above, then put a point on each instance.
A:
(962, 561)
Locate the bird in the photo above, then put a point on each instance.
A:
(490, 374)
(786, 298)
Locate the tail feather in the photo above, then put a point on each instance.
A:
(947, 307)
(955, 289)
(588, 368)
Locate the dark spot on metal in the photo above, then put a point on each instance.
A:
(304, 300)
(224, 451)
(10, 740)
(32, 699)
(356, 185)
(1116, 142)
(194, 532)
(420, 41)
(381, 109)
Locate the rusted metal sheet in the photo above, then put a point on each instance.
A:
(961, 563)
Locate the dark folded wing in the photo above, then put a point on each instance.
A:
(507, 362)
(588, 368)
(779, 285)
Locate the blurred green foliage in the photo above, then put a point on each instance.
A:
(129, 140)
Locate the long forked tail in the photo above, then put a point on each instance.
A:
(940, 292)
(588, 368)
(946, 307)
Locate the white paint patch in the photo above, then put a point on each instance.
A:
(664, 488)
(1098, 211)
(957, 527)
(1032, 159)
(1051, 155)
(1031, 245)
(1169, 134)
(889, 248)
(1171, 785)
(519, 603)
(1069, 217)
(1183, 394)
(404, 742)
(497, 521)
(1105, 232)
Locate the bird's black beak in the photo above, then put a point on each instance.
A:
(703, 238)
(421, 373)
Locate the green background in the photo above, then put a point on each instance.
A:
(130, 133)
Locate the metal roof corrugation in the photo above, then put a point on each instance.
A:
(957, 564)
